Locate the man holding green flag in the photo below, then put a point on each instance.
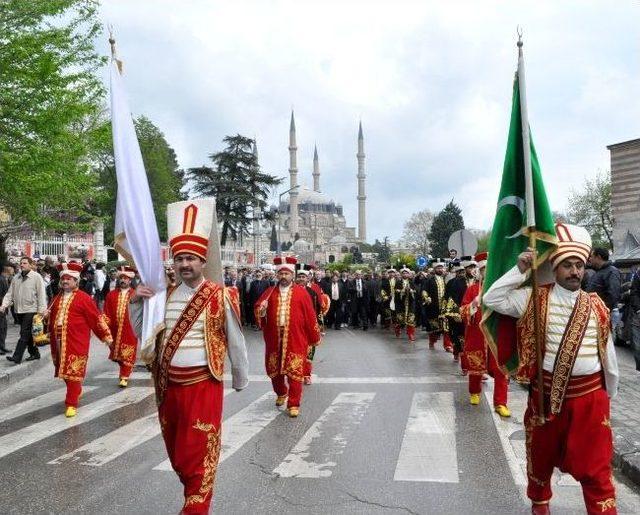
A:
(564, 347)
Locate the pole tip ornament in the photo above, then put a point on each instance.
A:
(114, 55)
(519, 32)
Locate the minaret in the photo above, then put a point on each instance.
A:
(362, 217)
(316, 170)
(293, 179)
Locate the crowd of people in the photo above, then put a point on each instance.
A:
(296, 304)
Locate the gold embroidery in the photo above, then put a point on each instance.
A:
(606, 422)
(210, 463)
(607, 504)
(187, 318)
(63, 332)
(127, 353)
(294, 367)
(121, 311)
(215, 340)
(76, 364)
(476, 359)
(273, 363)
(568, 350)
(529, 424)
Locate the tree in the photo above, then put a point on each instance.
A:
(401, 260)
(51, 99)
(273, 245)
(382, 249)
(236, 182)
(165, 177)
(591, 208)
(483, 240)
(416, 231)
(445, 223)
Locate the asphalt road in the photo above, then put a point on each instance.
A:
(386, 427)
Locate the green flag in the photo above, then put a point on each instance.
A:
(514, 222)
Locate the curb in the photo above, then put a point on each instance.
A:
(626, 454)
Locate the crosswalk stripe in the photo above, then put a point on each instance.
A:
(317, 451)
(17, 440)
(36, 403)
(166, 464)
(114, 374)
(428, 451)
(116, 443)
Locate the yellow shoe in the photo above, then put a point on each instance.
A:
(123, 382)
(281, 400)
(502, 410)
(474, 399)
(294, 412)
(70, 412)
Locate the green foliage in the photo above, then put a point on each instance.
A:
(50, 100)
(483, 241)
(382, 249)
(401, 260)
(591, 208)
(347, 260)
(445, 223)
(236, 182)
(166, 179)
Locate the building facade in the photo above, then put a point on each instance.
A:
(625, 196)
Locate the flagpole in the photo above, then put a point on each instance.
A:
(531, 223)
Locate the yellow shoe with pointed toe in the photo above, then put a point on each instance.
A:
(70, 412)
(123, 382)
(474, 399)
(281, 399)
(502, 410)
(294, 412)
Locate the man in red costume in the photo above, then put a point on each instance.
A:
(285, 314)
(476, 356)
(321, 303)
(116, 312)
(202, 325)
(72, 316)
(579, 369)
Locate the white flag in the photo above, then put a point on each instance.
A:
(136, 231)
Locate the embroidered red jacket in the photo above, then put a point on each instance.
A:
(70, 341)
(116, 312)
(286, 350)
(475, 346)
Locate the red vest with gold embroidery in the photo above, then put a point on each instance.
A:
(526, 331)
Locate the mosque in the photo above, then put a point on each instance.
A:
(311, 221)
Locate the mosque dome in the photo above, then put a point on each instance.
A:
(301, 245)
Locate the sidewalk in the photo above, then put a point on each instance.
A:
(625, 418)
(11, 373)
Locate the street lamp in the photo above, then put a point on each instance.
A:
(279, 249)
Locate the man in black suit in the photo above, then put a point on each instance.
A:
(374, 298)
(4, 288)
(359, 293)
(256, 289)
(338, 294)
(110, 283)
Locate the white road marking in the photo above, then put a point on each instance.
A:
(426, 379)
(17, 440)
(36, 403)
(327, 438)
(114, 444)
(428, 451)
(114, 374)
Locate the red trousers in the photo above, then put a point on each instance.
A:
(433, 338)
(74, 390)
(411, 331)
(125, 370)
(293, 389)
(190, 419)
(500, 382)
(578, 441)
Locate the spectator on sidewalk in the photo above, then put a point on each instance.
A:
(634, 301)
(99, 277)
(606, 279)
(4, 288)
(28, 296)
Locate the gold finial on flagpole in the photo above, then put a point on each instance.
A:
(519, 32)
(114, 54)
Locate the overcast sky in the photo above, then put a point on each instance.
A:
(431, 81)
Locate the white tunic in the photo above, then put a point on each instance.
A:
(192, 351)
(505, 296)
